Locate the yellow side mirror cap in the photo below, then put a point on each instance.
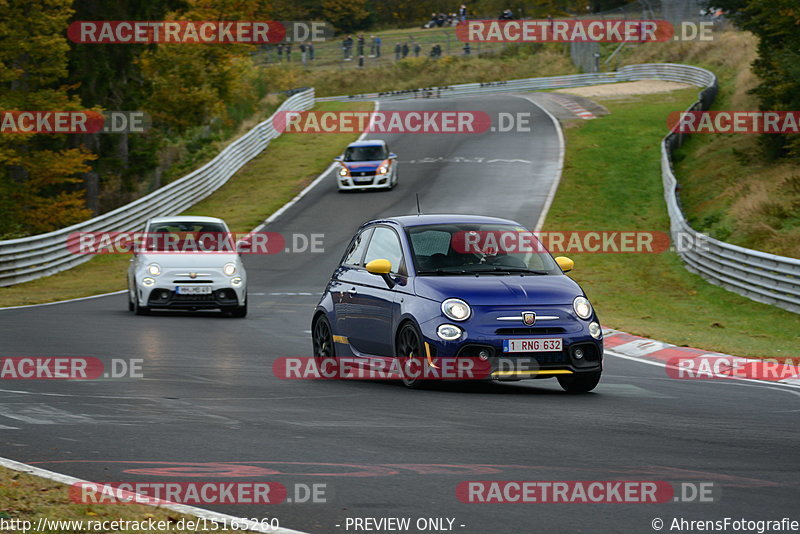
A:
(379, 267)
(565, 263)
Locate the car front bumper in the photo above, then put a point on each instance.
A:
(164, 295)
(380, 181)
(485, 349)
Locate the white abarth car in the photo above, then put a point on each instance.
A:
(170, 271)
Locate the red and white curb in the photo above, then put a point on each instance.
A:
(696, 364)
(574, 107)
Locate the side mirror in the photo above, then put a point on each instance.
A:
(382, 268)
(565, 263)
(337, 158)
(392, 155)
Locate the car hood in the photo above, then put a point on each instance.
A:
(365, 166)
(175, 260)
(489, 290)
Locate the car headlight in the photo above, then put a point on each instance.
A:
(448, 332)
(236, 282)
(343, 171)
(154, 269)
(456, 309)
(583, 308)
(595, 330)
(383, 169)
(229, 269)
(149, 281)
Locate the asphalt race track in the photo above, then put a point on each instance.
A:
(209, 407)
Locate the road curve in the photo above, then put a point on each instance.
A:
(209, 407)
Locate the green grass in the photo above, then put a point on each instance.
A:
(612, 181)
(262, 186)
(26, 497)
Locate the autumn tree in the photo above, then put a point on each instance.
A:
(39, 183)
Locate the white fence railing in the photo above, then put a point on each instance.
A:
(29, 258)
(757, 275)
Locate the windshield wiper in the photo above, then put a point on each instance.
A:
(443, 272)
(509, 270)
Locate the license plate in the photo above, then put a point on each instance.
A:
(193, 290)
(532, 345)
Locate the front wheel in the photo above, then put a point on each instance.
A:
(579, 382)
(137, 309)
(322, 340)
(409, 346)
(240, 311)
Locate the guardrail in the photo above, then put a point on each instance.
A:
(29, 258)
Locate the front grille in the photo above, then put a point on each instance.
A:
(362, 173)
(192, 281)
(192, 298)
(529, 331)
(539, 357)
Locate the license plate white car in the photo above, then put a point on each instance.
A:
(193, 290)
(532, 345)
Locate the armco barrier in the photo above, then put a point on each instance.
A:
(29, 258)
(757, 275)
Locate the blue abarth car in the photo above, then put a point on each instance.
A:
(366, 165)
(425, 287)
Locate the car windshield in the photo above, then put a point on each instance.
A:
(172, 236)
(476, 249)
(364, 153)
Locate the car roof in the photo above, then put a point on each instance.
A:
(443, 218)
(186, 218)
(373, 142)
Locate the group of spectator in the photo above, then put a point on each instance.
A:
(439, 20)
(306, 51)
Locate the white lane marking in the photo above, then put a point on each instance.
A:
(657, 363)
(559, 168)
(309, 187)
(65, 301)
(462, 159)
(43, 414)
(180, 508)
(4, 427)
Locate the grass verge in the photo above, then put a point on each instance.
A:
(729, 189)
(262, 186)
(26, 497)
(612, 181)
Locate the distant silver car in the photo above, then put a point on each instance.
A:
(164, 275)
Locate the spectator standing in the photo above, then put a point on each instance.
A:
(378, 47)
(303, 53)
(405, 50)
(360, 50)
(289, 52)
(397, 51)
(310, 48)
(417, 49)
(462, 13)
(280, 52)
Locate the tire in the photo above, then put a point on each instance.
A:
(580, 382)
(322, 345)
(139, 310)
(130, 302)
(409, 345)
(240, 311)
